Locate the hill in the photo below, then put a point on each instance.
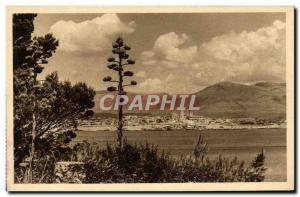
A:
(231, 100)
(227, 99)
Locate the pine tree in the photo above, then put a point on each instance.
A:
(45, 111)
(29, 56)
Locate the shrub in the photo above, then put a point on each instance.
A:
(144, 164)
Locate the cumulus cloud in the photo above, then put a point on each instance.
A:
(90, 36)
(244, 57)
(248, 56)
(235, 47)
(168, 46)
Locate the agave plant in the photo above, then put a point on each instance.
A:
(118, 63)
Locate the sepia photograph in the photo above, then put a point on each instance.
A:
(150, 98)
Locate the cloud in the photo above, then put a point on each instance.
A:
(168, 46)
(238, 47)
(244, 57)
(247, 56)
(150, 62)
(150, 85)
(147, 54)
(90, 36)
(168, 51)
(141, 74)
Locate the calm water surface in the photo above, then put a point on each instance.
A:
(244, 144)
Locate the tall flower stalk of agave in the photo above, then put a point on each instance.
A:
(117, 63)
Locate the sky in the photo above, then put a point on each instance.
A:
(174, 53)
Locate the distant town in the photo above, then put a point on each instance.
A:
(177, 121)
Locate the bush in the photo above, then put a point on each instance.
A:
(143, 164)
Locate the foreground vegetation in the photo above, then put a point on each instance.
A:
(144, 164)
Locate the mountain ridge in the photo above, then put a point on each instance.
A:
(228, 99)
(233, 100)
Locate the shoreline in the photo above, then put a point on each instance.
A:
(183, 130)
